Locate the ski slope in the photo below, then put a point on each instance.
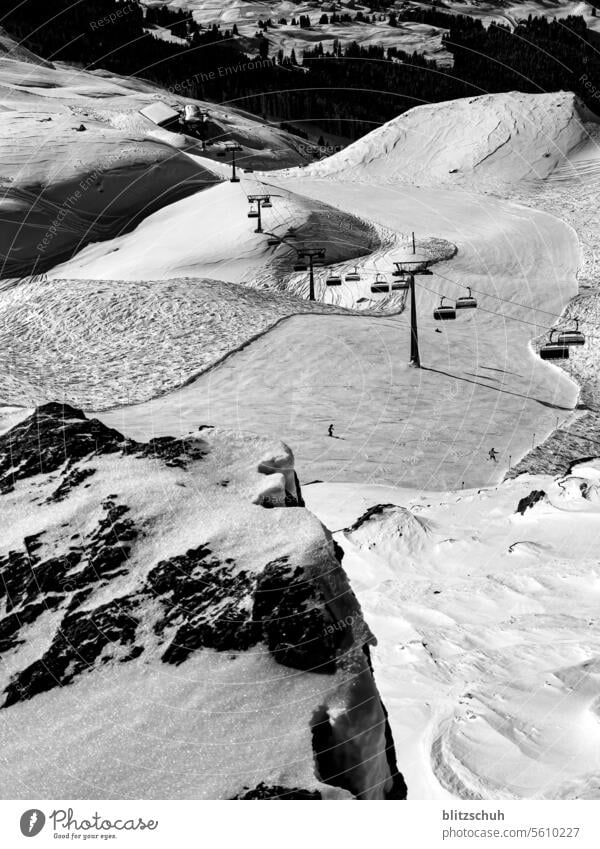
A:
(481, 384)
(209, 235)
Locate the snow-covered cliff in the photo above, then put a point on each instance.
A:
(175, 624)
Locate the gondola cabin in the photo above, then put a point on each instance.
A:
(571, 337)
(402, 283)
(554, 350)
(380, 284)
(466, 302)
(445, 312)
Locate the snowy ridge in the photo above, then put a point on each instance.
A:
(488, 141)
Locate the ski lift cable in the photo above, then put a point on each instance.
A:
(496, 297)
(541, 327)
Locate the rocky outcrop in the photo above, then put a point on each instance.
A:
(153, 612)
(529, 501)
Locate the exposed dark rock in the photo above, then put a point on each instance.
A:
(297, 625)
(264, 791)
(529, 500)
(81, 639)
(53, 435)
(376, 510)
(57, 435)
(70, 481)
(205, 599)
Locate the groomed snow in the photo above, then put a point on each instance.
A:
(481, 385)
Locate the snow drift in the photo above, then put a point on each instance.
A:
(165, 636)
(488, 635)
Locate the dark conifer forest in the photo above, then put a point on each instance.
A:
(346, 90)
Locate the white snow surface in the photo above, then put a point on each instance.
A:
(489, 141)
(488, 631)
(72, 186)
(481, 385)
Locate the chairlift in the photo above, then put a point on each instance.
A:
(443, 312)
(571, 337)
(353, 276)
(301, 266)
(466, 302)
(380, 284)
(248, 170)
(402, 283)
(554, 350)
(253, 213)
(267, 203)
(273, 241)
(222, 152)
(334, 280)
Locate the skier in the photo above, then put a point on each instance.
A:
(493, 455)
(330, 430)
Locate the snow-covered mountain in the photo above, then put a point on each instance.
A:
(79, 163)
(174, 624)
(491, 141)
